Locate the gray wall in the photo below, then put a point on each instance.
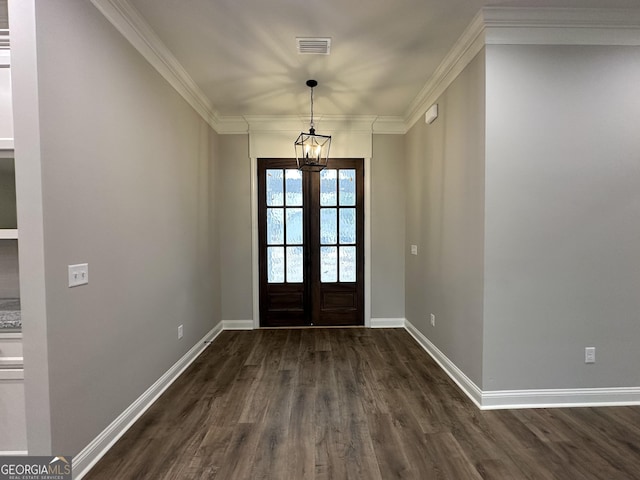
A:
(127, 180)
(562, 217)
(444, 185)
(387, 226)
(235, 227)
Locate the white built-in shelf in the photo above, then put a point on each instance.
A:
(11, 362)
(8, 233)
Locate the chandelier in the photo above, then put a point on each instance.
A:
(312, 150)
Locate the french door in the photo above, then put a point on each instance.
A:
(311, 243)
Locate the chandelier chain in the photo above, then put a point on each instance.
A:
(312, 125)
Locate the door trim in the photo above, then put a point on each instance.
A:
(255, 272)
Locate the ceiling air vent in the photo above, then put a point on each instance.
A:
(314, 46)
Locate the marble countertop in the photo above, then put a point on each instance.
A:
(10, 317)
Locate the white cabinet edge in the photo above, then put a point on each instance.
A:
(8, 233)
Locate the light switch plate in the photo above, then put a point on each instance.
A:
(414, 249)
(78, 274)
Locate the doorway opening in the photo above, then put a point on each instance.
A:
(311, 243)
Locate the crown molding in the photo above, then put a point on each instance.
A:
(323, 123)
(526, 26)
(491, 26)
(130, 23)
(390, 125)
(463, 51)
(561, 17)
(561, 26)
(227, 125)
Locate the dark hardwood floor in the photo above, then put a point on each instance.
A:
(355, 404)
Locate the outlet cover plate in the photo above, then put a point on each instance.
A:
(78, 274)
(590, 355)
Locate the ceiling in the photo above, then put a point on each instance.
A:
(242, 53)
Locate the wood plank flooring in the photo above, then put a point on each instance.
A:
(355, 404)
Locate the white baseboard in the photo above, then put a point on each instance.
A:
(556, 398)
(468, 387)
(13, 453)
(387, 322)
(237, 325)
(533, 398)
(93, 452)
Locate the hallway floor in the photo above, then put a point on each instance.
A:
(355, 404)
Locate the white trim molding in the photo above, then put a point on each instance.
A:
(6, 144)
(13, 453)
(492, 25)
(8, 233)
(532, 398)
(237, 325)
(11, 362)
(388, 322)
(561, 26)
(132, 25)
(554, 398)
(255, 245)
(526, 26)
(273, 151)
(461, 54)
(89, 456)
(458, 376)
(367, 237)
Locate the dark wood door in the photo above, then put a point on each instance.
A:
(311, 234)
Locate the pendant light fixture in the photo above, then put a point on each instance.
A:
(312, 150)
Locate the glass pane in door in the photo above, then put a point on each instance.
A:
(347, 225)
(328, 192)
(328, 226)
(294, 226)
(347, 264)
(275, 226)
(275, 264)
(275, 196)
(328, 264)
(347, 187)
(295, 265)
(293, 186)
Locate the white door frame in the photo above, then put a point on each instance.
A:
(255, 246)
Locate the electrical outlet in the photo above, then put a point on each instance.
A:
(78, 274)
(590, 355)
(433, 320)
(180, 332)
